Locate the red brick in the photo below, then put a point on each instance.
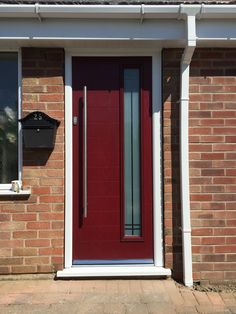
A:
(36, 260)
(224, 197)
(5, 235)
(24, 234)
(213, 172)
(51, 234)
(11, 260)
(224, 231)
(41, 190)
(231, 188)
(230, 122)
(212, 122)
(213, 240)
(231, 257)
(200, 148)
(24, 251)
(202, 232)
(200, 131)
(37, 243)
(38, 225)
(224, 131)
(52, 199)
(24, 217)
(224, 147)
(230, 275)
(12, 225)
(225, 249)
(212, 139)
(51, 97)
(45, 268)
(5, 217)
(231, 240)
(11, 243)
(230, 139)
(57, 242)
(51, 216)
(213, 258)
(39, 207)
(51, 251)
(4, 270)
(213, 188)
(24, 269)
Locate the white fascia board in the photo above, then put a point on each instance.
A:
(216, 29)
(83, 29)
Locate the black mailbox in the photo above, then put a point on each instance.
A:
(39, 130)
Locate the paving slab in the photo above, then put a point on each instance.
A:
(111, 296)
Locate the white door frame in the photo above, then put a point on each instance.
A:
(157, 268)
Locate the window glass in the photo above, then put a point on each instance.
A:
(132, 153)
(8, 117)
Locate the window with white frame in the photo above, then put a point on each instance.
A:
(8, 117)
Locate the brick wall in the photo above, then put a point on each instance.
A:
(32, 229)
(212, 162)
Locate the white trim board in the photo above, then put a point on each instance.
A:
(131, 270)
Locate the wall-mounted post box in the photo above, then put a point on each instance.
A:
(39, 130)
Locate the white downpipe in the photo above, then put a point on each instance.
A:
(184, 151)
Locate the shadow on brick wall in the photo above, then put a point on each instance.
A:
(171, 162)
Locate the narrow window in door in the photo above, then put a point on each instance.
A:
(132, 203)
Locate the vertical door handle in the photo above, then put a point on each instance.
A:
(85, 154)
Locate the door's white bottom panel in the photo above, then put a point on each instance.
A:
(113, 271)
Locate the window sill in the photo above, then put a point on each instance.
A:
(12, 193)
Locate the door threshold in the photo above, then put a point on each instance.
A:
(113, 262)
(113, 271)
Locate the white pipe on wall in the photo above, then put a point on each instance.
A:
(184, 150)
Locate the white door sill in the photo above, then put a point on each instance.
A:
(113, 271)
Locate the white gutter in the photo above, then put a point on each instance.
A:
(117, 11)
(184, 150)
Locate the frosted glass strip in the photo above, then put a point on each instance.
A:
(132, 152)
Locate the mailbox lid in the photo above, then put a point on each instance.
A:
(39, 120)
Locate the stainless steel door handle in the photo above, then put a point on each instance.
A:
(85, 154)
(75, 120)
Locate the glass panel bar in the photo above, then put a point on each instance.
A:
(132, 206)
(8, 117)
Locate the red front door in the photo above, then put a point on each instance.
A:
(117, 155)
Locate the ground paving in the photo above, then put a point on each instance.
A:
(110, 297)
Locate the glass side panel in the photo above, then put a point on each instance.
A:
(132, 208)
(8, 117)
